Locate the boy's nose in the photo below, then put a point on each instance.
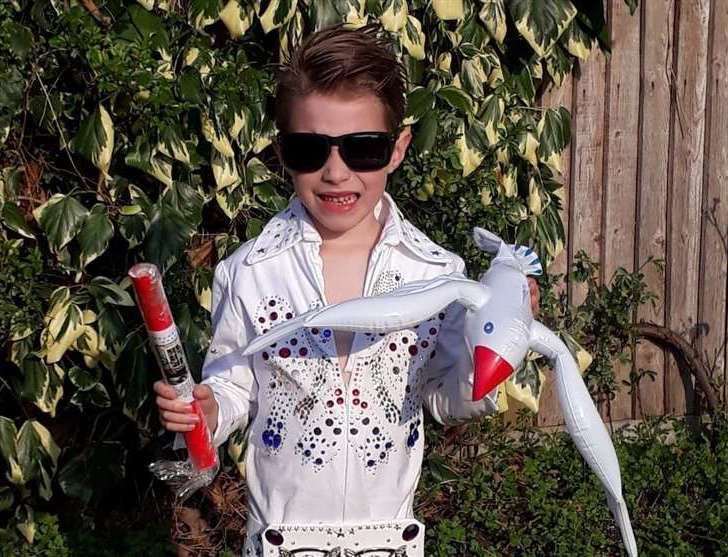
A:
(335, 169)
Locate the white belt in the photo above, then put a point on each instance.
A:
(391, 538)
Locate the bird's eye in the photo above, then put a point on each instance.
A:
(488, 328)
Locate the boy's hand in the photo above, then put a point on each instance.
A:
(176, 415)
(535, 295)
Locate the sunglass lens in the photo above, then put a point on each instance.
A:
(366, 151)
(304, 152)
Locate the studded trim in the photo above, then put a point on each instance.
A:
(293, 225)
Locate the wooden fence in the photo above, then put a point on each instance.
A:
(647, 175)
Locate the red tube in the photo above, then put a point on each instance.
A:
(170, 355)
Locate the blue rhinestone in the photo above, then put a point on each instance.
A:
(488, 327)
(276, 441)
(327, 333)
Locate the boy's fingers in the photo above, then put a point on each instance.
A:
(169, 418)
(179, 428)
(164, 390)
(174, 405)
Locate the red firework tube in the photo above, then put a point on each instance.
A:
(170, 355)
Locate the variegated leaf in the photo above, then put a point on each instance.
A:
(541, 22)
(534, 197)
(577, 42)
(525, 385)
(224, 170)
(394, 16)
(237, 19)
(456, 98)
(420, 101)
(219, 141)
(61, 218)
(38, 455)
(9, 451)
(470, 157)
(413, 39)
(13, 218)
(94, 237)
(493, 15)
(95, 138)
(449, 9)
(554, 130)
(527, 148)
(276, 14)
(491, 114)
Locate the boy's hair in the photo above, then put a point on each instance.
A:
(341, 60)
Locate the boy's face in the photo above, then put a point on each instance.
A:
(340, 199)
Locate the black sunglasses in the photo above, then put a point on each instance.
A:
(361, 151)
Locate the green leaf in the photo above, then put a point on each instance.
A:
(132, 374)
(6, 498)
(457, 98)
(107, 291)
(494, 16)
(190, 85)
(15, 221)
(491, 115)
(96, 396)
(8, 449)
(167, 236)
(61, 218)
(426, 133)
(25, 522)
(420, 101)
(12, 85)
(632, 4)
(541, 22)
(558, 64)
(42, 384)
(91, 474)
(149, 26)
(95, 138)
(554, 132)
(253, 227)
(21, 39)
(95, 234)
(134, 228)
(83, 379)
(38, 455)
(523, 85)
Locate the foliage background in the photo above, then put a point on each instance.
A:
(141, 131)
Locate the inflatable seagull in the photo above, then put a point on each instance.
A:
(499, 330)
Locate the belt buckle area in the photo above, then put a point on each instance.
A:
(339, 552)
(398, 538)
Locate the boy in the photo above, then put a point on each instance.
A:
(334, 420)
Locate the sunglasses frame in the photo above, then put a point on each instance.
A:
(338, 141)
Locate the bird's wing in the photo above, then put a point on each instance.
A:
(399, 309)
(584, 425)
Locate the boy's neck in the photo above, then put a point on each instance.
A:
(364, 235)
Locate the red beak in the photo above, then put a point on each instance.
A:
(490, 371)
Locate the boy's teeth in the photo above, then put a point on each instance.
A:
(339, 200)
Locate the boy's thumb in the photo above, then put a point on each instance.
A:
(202, 392)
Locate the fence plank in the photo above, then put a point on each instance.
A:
(714, 251)
(587, 144)
(620, 171)
(657, 17)
(686, 189)
(549, 413)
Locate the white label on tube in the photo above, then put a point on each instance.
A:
(171, 358)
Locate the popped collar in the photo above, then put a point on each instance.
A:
(319, 450)
(294, 225)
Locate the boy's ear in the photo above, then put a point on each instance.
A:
(400, 149)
